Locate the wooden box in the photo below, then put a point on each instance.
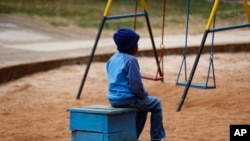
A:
(102, 123)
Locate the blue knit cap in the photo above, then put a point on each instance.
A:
(125, 39)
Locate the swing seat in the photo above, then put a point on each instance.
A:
(152, 77)
(197, 85)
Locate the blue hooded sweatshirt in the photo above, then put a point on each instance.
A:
(124, 79)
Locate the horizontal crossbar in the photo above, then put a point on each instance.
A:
(229, 27)
(196, 85)
(125, 16)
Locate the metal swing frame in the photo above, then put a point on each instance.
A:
(208, 30)
(104, 19)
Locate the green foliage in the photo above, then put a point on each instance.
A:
(88, 13)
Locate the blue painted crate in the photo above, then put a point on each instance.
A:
(102, 123)
(129, 135)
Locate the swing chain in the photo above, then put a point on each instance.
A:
(135, 17)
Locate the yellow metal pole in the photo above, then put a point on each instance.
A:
(143, 3)
(215, 6)
(247, 10)
(107, 8)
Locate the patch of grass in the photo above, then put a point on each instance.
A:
(89, 13)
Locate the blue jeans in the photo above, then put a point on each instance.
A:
(149, 104)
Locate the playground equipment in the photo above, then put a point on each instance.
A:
(183, 67)
(159, 75)
(160, 72)
(208, 29)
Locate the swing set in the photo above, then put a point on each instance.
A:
(183, 67)
(188, 82)
(106, 16)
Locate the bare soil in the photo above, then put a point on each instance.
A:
(34, 108)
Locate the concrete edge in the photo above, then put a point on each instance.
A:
(11, 73)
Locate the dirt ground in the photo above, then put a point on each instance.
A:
(34, 108)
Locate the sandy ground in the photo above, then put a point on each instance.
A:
(34, 108)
